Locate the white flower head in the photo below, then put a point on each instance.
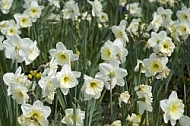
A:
(9, 28)
(156, 23)
(96, 7)
(35, 114)
(48, 85)
(124, 97)
(184, 14)
(71, 10)
(19, 93)
(134, 9)
(5, 6)
(23, 20)
(109, 51)
(154, 65)
(173, 108)
(68, 119)
(33, 51)
(134, 119)
(17, 77)
(111, 74)
(166, 46)
(67, 78)
(119, 31)
(16, 48)
(92, 88)
(166, 16)
(140, 66)
(34, 10)
(62, 55)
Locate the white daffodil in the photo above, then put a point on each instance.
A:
(111, 74)
(34, 115)
(144, 93)
(50, 98)
(134, 26)
(134, 9)
(23, 20)
(27, 3)
(16, 48)
(124, 97)
(166, 46)
(67, 78)
(5, 6)
(103, 17)
(156, 23)
(62, 55)
(173, 108)
(48, 84)
(166, 16)
(184, 30)
(173, 29)
(1, 42)
(137, 67)
(109, 51)
(122, 2)
(33, 51)
(34, 10)
(122, 52)
(50, 68)
(55, 3)
(92, 88)
(134, 119)
(19, 93)
(115, 123)
(119, 31)
(10, 28)
(154, 65)
(71, 10)
(184, 14)
(16, 77)
(69, 117)
(96, 7)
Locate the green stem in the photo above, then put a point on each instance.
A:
(111, 105)
(86, 112)
(91, 111)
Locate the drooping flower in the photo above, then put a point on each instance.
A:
(71, 10)
(69, 117)
(34, 115)
(144, 93)
(134, 9)
(96, 7)
(5, 6)
(134, 119)
(124, 97)
(173, 108)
